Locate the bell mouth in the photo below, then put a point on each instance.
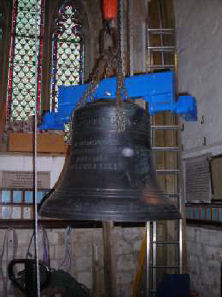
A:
(105, 205)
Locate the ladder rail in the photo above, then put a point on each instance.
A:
(154, 242)
(165, 60)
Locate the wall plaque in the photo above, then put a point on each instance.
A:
(24, 179)
(216, 170)
(197, 179)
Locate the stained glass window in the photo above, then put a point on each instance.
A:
(67, 51)
(25, 59)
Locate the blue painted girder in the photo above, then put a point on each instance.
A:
(158, 89)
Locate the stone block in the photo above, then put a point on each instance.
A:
(85, 278)
(21, 252)
(124, 291)
(190, 233)
(123, 247)
(133, 234)
(2, 235)
(82, 235)
(83, 264)
(126, 263)
(118, 232)
(216, 238)
(24, 237)
(59, 252)
(212, 253)
(82, 249)
(97, 235)
(61, 238)
(137, 245)
(125, 278)
(53, 237)
(194, 248)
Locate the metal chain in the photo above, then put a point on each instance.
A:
(121, 85)
(103, 67)
(109, 62)
(111, 59)
(119, 67)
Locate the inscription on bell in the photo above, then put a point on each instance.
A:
(89, 142)
(117, 120)
(91, 159)
(86, 157)
(98, 166)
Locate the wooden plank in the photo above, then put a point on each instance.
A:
(109, 260)
(47, 143)
(96, 290)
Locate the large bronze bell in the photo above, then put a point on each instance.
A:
(109, 174)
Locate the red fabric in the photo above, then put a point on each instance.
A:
(109, 9)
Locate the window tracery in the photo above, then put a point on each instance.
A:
(67, 57)
(26, 46)
(26, 56)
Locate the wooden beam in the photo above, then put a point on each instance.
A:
(109, 260)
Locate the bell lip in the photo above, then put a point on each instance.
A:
(108, 193)
(117, 217)
(143, 212)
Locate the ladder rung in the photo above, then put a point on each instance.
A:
(167, 171)
(162, 48)
(161, 66)
(166, 149)
(165, 242)
(166, 127)
(161, 31)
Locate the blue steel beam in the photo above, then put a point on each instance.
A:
(156, 88)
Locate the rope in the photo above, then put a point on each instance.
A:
(66, 264)
(44, 244)
(35, 156)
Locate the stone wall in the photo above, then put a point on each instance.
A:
(198, 32)
(127, 246)
(204, 260)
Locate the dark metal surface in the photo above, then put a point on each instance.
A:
(109, 174)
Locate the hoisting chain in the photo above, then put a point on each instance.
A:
(110, 60)
(102, 68)
(121, 86)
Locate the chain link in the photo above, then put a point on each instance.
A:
(110, 62)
